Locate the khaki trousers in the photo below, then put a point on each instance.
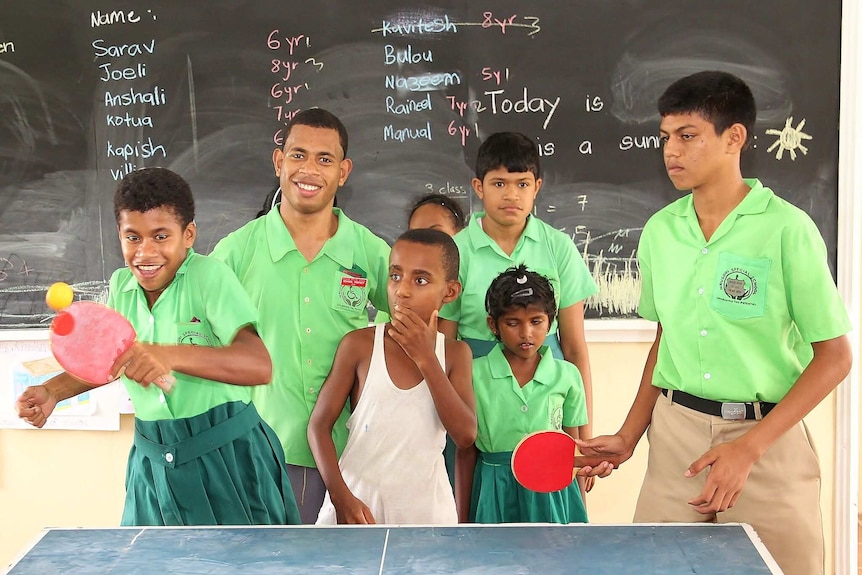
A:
(781, 498)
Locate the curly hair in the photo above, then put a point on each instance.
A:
(149, 188)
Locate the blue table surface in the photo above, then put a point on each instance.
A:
(666, 549)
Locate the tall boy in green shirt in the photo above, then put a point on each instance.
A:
(750, 337)
(311, 271)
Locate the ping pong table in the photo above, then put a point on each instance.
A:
(666, 549)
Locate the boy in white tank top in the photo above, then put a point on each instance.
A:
(408, 386)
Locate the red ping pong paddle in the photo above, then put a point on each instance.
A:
(88, 337)
(545, 461)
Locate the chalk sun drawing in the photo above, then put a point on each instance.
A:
(789, 138)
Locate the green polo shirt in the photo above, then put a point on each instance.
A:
(507, 412)
(738, 312)
(305, 309)
(204, 305)
(541, 248)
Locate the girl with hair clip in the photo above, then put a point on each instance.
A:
(520, 389)
(437, 212)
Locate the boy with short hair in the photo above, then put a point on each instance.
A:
(506, 234)
(392, 470)
(311, 270)
(750, 338)
(201, 455)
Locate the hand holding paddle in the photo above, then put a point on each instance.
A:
(142, 364)
(546, 461)
(88, 338)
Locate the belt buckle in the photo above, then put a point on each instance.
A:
(733, 411)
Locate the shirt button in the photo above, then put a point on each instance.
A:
(704, 251)
(524, 408)
(703, 332)
(162, 398)
(707, 375)
(308, 330)
(305, 270)
(169, 457)
(310, 390)
(308, 361)
(700, 291)
(307, 300)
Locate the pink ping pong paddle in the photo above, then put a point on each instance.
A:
(88, 337)
(545, 461)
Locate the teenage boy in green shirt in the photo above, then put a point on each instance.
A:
(750, 337)
(311, 271)
(201, 455)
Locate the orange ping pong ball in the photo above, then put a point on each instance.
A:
(63, 323)
(59, 296)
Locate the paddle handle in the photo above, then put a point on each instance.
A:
(165, 382)
(593, 460)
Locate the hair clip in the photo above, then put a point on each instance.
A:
(526, 292)
(521, 279)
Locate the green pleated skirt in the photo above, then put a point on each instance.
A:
(498, 498)
(222, 467)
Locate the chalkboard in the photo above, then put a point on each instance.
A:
(90, 90)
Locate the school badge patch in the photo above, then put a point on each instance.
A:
(351, 293)
(738, 284)
(740, 288)
(195, 332)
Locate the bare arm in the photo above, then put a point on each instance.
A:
(730, 463)
(245, 361)
(452, 392)
(331, 401)
(638, 419)
(465, 465)
(458, 412)
(573, 342)
(37, 402)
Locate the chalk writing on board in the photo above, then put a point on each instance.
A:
(196, 92)
(789, 139)
(292, 73)
(444, 24)
(130, 98)
(99, 18)
(14, 265)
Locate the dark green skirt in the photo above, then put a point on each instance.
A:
(222, 467)
(498, 498)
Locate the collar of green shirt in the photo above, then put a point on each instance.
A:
(754, 202)
(338, 248)
(131, 282)
(500, 368)
(480, 239)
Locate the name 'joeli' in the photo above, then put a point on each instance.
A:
(523, 105)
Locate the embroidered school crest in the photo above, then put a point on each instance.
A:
(195, 337)
(738, 284)
(351, 293)
(555, 413)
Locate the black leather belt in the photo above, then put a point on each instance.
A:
(725, 410)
